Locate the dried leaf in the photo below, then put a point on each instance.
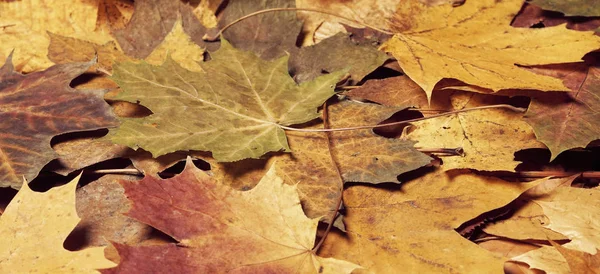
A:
(223, 230)
(234, 109)
(571, 7)
(311, 62)
(150, 24)
(566, 121)
(412, 227)
(24, 25)
(482, 134)
(34, 227)
(269, 35)
(446, 42)
(361, 156)
(37, 106)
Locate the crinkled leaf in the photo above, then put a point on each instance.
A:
(219, 229)
(37, 106)
(234, 109)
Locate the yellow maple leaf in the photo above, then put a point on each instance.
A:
(475, 43)
(34, 227)
(24, 26)
(412, 230)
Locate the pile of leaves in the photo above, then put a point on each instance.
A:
(306, 136)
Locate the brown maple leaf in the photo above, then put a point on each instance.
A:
(37, 106)
(221, 230)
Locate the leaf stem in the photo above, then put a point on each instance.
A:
(513, 108)
(210, 39)
(341, 180)
(124, 171)
(449, 151)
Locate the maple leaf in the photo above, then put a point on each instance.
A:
(34, 227)
(445, 42)
(413, 228)
(223, 230)
(310, 62)
(37, 106)
(152, 20)
(177, 44)
(566, 121)
(361, 155)
(482, 134)
(319, 26)
(20, 27)
(532, 14)
(257, 33)
(234, 109)
(579, 261)
(571, 7)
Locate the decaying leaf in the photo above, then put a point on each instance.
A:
(233, 109)
(220, 229)
(412, 228)
(311, 62)
(34, 227)
(269, 35)
(565, 121)
(571, 7)
(37, 106)
(449, 42)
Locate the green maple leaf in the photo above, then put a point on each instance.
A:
(235, 108)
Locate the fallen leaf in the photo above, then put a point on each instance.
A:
(101, 205)
(152, 20)
(571, 7)
(545, 258)
(412, 227)
(527, 220)
(220, 229)
(34, 227)
(319, 26)
(63, 50)
(269, 35)
(178, 45)
(311, 62)
(482, 134)
(22, 22)
(234, 109)
(566, 121)
(579, 262)
(531, 15)
(572, 212)
(449, 42)
(361, 156)
(37, 106)
(399, 91)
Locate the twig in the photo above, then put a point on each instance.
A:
(341, 186)
(513, 108)
(210, 39)
(459, 151)
(124, 171)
